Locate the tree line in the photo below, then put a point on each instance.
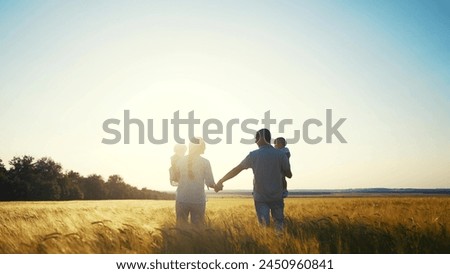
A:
(28, 179)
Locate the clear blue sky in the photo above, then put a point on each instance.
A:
(65, 67)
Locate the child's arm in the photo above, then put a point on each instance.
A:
(288, 153)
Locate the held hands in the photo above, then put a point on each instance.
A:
(219, 186)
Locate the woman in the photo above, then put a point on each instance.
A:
(194, 173)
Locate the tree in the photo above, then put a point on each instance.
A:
(71, 186)
(93, 187)
(5, 188)
(2, 167)
(47, 169)
(48, 174)
(43, 179)
(70, 189)
(116, 188)
(29, 180)
(20, 177)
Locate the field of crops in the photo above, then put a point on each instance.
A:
(418, 224)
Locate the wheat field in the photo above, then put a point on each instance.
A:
(349, 225)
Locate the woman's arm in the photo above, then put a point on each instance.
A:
(209, 178)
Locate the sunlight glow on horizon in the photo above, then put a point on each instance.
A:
(69, 66)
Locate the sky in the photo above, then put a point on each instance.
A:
(68, 66)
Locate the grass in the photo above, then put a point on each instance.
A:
(313, 225)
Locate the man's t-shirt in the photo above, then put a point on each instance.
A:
(269, 166)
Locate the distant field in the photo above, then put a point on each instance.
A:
(416, 224)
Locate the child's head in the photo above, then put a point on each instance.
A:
(280, 142)
(180, 149)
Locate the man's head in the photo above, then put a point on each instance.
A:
(280, 142)
(263, 137)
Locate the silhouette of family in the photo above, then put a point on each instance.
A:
(270, 164)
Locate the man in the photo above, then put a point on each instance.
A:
(269, 166)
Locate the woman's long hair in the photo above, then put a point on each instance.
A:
(196, 147)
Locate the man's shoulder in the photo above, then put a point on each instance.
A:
(261, 150)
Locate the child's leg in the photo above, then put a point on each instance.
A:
(285, 192)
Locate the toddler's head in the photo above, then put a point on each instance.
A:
(180, 149)
(280, 142)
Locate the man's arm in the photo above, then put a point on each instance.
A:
(288, 174)
(232, 173)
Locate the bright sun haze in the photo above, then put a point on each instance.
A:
(66, 67)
